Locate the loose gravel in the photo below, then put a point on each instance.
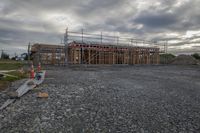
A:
(144, 99)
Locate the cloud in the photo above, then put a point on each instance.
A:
(177, 21)
(156, 20)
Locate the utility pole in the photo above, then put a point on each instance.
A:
(117, 40)
(2, 54)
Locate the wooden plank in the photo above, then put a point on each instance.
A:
(8, 75)
(25, 88)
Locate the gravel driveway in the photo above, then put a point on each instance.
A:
(144, 99)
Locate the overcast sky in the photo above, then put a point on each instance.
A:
(44, 21)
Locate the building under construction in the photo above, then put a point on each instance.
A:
(48, 54)
(79, 53)
(82, 51)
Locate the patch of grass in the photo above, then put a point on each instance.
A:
(18, 74)
(10, 64)
(10, 79)
(5, 81)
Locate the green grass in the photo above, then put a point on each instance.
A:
(5, 81)
(10, 65)
(17, 74)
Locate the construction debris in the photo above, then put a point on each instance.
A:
(23, 89)
(43, 95)
(8, 75)
(21, 70)
(39, 77)
(30, 83)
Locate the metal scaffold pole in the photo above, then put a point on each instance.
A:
(101, 38)
(66, 45)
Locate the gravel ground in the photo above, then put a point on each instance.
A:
(144, 99)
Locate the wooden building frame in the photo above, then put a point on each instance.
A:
(48, 54)
(82, 53)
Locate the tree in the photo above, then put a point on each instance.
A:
(13, 58)
(26, 57)
(4, 55)
(196, 56)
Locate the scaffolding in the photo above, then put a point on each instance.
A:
(89, 48)
(48, 54)
(81, 53)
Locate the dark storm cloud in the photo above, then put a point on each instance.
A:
(98, 7)
(17, 40)
(156, 20)
(22, 21)
(196, 46)
(18, 36)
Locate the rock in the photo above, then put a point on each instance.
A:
(59, 117)
(45, 118)
(133, 99)
(81, 89)
(1, 116)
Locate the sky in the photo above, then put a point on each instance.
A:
(45, 21)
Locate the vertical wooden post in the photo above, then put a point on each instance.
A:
(89, 55)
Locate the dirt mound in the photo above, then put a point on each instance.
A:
(185, 60)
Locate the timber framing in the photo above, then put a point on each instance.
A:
(83, 53)
(48, 54)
